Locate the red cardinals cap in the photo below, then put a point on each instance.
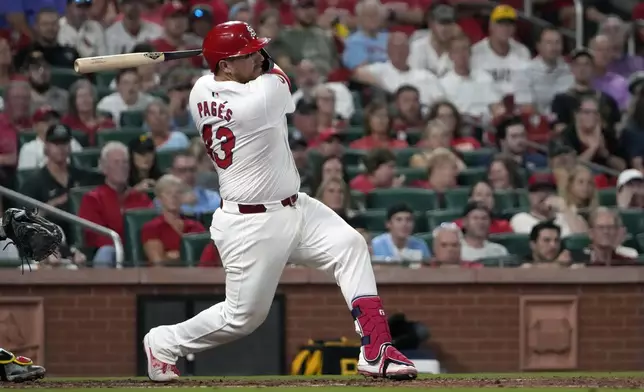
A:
(231, 39)
(638, 14)
(329, 133)
(44, 113)
(542, 182)
(173, 8)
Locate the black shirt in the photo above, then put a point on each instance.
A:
(43, 187)
(564, 104)
(571, 138)
(57, 56)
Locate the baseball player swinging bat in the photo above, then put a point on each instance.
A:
(129, 60)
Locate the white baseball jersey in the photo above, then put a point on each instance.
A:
(502, 68)
(244, 129)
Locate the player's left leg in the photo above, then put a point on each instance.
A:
(329, 244)
(18, 369)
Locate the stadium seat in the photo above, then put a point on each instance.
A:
(633, 220)
(376, 220)
(23, 175)
(11, 264)
(412, 174)
(522, 198)
(123, 135)
(357, 118)
(134, 221)
(206, 219)
(353, 157)
(353, 171)
(132, 118)
(516, 244)
(469, 177)
(353, 133)
(435, 218)
(104, 79)
(478, 158)
(504, 200)
(607, 197)
(413, 137)
(404, 155)
(25, 137)
(75, 198)
(103, 92)
(192, 245)
(64, 77)
(88, 158)
(427, 237)
(576, 242)
(417, 199)
(510, 212)
(358, 200)
(456, 198)
(640, 242)
(164, 159)
(160, 94)
(501, 262)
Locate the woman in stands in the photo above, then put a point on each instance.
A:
(482, 192)
(327, 117)
(448, 114)
(161, 237)
(435, 136)
(334, 193)
(503, 173)
(331, 167)
(144, 170)
(378, 129)
(580, 192)
(82, 114)
(442, 174)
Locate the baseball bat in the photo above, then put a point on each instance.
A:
(129, 60)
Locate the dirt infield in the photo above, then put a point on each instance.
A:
(436, 382)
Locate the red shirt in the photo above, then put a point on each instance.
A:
(162, 45)
(369, 143)
(362, 183)
(105, 207)
(159, 229)
(497, 226)
(8, 136)
(210, 256)
(286, 12)
(76, 124)
(465, 143)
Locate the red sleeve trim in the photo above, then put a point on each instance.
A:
(282, 75)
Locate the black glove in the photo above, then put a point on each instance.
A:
(268, 62)
(35, 237)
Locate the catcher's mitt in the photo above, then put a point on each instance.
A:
(35, 237)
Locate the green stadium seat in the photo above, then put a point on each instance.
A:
(412, 174)
(357, 118)
(640, 242)
(435, 218)
(376, 220)
(478, 158)
(353, 133)
(353, 171)
(504, 200)
(357, 99)
(165, 159)
(522, 198)
(413, 137)
(160, 94)
(633, 220)
(103, 92)
(64, 77)
(418, 199)
(358, 200)
(457, 198)
(516, 244)
(607, 197)
(192, 245)
(206, 219)
(404, 155)
(510, 212)
(469, 177)
(123, 135)
(11, 264)
(501, 262)
(87, 158)
(75, 198)
(134, 221)
(104, 79)
(576, 242)
(132, 118)
(23, 175)
(427, 237)
(353, 157)
(25, 137)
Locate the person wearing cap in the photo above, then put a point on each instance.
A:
(78, 31)
(563, 105)
(175, 35)
(305, 119)
(131, 30)
(45, 41)
(368, 44)
(299, 148)
(396, 72)
(476, 229)
(330, 143)
(431, 51)
(51, 184)
(608, 82)
(144, 169)
(32, 154)
(482, 192)
(546, 205)
(630, 189)
(398, 244)
(42, 91)
(201, 20)
(157, 122)
(500, 54)
(543, 77)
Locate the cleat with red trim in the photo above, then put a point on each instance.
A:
(18, 369)
(158, 370)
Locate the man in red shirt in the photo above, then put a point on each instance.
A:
(210, 256)
(106, 203)
(381, 171)
(175, 32)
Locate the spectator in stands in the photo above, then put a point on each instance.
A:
(563, 160)
(241, 12)
(178, 86)
(176, 19)
(408, 110)
(380, 165)
(483, 193)
(45, 41)
(630, 189)
(330, 143)
(442, 173)
(476, 227)
(127, 97)
(459, 83)
(325, 102)
(378, 132)
(580, 193)
(104, 205)
(368, 44)
(503, 173)
(564, 104)
(6, 65)
(17, 100)
(305, 120)
(543, 77)
(195, 200)
(144, 169)
(590, 139)
(335, 194)
(330, 167)
(269, 26)
(131, 30)
(436, 137)
(308, 79)
(150, 78)
(431, 51)
(206, 175)
(51, 184)
(396, 72)
(632, 136)
(446, 112)
(605, 81)
(499, 54)
(210, 256)
(202, 20)
(621, 63)
(305, 40)
(546, 248)
(607, 233)
(545, 205)
(298, 148)
(78, 31)
(161, 237)
(511, 137)
(446, 246)
(157, 121)
(398, 245)
(45, 122)
(42, 91)
(82, 114)
(104, 12)
(638, 28)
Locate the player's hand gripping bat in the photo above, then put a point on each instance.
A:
(129, 60)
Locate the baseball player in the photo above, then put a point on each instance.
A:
(264, 222)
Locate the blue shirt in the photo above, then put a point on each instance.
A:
(207, 201)
(360, 49)
(384, 249)
(29, 8)
(176, 141)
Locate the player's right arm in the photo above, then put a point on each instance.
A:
(274, 88)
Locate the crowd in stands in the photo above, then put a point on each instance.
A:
(449, 134)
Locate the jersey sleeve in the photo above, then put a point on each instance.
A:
(275, 87)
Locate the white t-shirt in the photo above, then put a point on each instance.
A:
(115, 105)
(489, 249)
(391, 78)
(344, 106)
(472, 95)
(89, 39)
(501, 68)
(119, 41)
(523, 222)
(32, 154)
(422, 55)
(245, 132)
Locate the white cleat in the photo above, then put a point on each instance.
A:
(391, 364)
(157, 370)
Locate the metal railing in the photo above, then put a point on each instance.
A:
(592, 166)
(67, 217)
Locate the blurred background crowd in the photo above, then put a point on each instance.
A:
(464, 134)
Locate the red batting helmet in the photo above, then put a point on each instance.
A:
(231, 39)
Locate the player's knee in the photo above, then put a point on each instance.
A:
(352, 240)
(246, 322)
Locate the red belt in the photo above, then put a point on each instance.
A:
(259, 208)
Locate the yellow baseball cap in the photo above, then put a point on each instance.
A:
(502, 13)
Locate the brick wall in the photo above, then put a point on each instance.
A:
(473, 316)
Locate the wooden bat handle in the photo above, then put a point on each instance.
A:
(117, 61)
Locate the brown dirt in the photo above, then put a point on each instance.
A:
(536, 382)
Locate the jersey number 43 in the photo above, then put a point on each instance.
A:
(223, 158)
